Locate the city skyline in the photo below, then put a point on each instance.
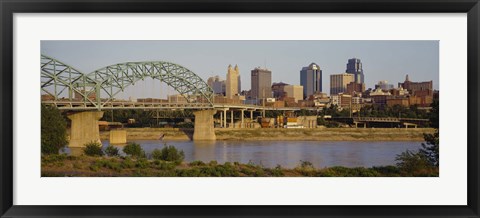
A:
(381, 60)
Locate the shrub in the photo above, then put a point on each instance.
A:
(133, 149)
(142, 163)
(106, 163)
(410, 162)
(93, 149)
(163, 165)
(168, 153)
(306, 164)
(111, 151)
(128, 163)
(197, 163)
(53, 130)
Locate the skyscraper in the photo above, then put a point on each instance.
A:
(232, 82)
(261, 83)
(339, 82)
(311, 80)
(239, 82)
(217, 85)
(354, 66)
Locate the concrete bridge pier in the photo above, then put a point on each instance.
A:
(84, 128)
(204, 126)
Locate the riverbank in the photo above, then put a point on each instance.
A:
(85, 166)
(317, 134)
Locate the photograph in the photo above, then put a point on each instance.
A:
(239, 108)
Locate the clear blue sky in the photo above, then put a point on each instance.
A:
(382, 60)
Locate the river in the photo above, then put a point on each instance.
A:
(288, 154)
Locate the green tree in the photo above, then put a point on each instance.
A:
(133, 149)
(53, 130)
(169, 153)
(111, 151)
(429, 155)
(431, 149)
(93, 149)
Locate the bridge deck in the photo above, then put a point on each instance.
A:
(67, 105)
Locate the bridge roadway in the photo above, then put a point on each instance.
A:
(126, 105)
(392, 120)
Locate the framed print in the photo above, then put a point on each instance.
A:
(239, 109)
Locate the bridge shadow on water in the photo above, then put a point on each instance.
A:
(188, 132)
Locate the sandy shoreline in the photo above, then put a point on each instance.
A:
(318, 134)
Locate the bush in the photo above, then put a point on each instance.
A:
(133, 149)
(306, 164)
(142, 163)
(197, 163)
(106, 163)
(412, 161)
(111, 151)
(93, 149)
(53, 130)
(128, 163)
(168, 153)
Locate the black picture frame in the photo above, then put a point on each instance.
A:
(9, 7)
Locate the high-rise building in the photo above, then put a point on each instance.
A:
(311, 80)
(278, 90)
(232, 82)
(339, 82)
(294, 91)
(354, 66)
(239, 83)
(261, 83)
(355, 88)
(384, 85)
(217, 85)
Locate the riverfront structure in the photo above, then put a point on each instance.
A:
(354, 66)
(232, 82)
(311, 80)
(339, 82)
(261, 83)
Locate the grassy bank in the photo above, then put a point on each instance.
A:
(85, 166)
(318, 134)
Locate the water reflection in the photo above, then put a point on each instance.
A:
(285, 153)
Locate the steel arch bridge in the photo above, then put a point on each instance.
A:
(97, 90)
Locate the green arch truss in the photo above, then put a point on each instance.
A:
(65, 83)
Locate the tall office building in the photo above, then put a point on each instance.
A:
(261, 83)
(232, 80)
(339, 82)
(239, 84)
(384, 85)
(294, 91)
(311, 80)
(217, 85)
(354, 66)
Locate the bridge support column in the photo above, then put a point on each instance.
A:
(241, 115)
(221, 119)
(204, 128)
(225, 118)
(231, 119)
(84, 128)
(251, 115)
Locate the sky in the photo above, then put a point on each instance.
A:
(389, 60)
